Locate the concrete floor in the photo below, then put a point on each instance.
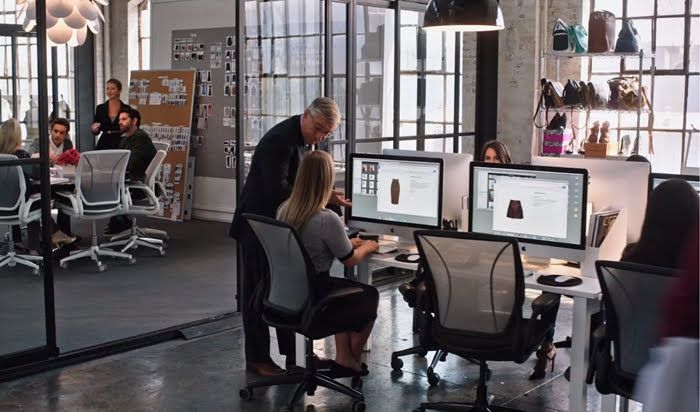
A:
(205, 374)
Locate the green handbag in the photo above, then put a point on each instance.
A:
(578, 37)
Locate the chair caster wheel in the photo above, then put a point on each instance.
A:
(64, 265)
(161, 252)
(433, 378)
(356, 383)
(36, 272)
(246, 394)
(358, 406)
(132, 261)
(396, 363)
(422, 353)
(11, 264)
(101, 267)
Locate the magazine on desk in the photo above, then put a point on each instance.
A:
(600, 225)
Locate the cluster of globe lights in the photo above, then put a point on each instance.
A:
(67, 21)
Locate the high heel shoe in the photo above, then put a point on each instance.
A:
(546, 353)
(59, 239)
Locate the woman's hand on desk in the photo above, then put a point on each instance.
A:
(370, 245)
(356, 242)
(365, 248)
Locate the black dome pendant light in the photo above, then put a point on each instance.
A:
(463, 15)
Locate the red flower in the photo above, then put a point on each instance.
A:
(69, 157)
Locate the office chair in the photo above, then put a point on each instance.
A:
(99, 193)
(149, 232)
(15, 210)
(632, 295)
(419, 300)
(143, 201)
(290, 303)
(477, 288)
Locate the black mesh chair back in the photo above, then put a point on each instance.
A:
(477, 278)
(632, 295)
(13, 187)
(291, 270)
(99, 178)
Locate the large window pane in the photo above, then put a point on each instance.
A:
(670, 33)
(668, 106)
(667, 147)
(639, 8)
(671, 7)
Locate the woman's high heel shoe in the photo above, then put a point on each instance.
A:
(546, 353)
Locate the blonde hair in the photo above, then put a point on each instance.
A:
(10, 136)
(326, 108)
(312, 189)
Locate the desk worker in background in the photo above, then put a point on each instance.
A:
(59, 141)
(142, 152)
(106, 119)
(272, 173)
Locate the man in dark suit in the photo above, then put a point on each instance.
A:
(269, 183)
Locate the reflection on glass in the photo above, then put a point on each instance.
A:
(669, 43)
(666, 148)
(668, 108)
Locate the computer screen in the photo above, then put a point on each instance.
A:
(656, 179)
(536, 204)
(398, 190)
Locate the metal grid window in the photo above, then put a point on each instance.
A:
(139, 18)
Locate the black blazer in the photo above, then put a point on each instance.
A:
(110, 129)
(272, 172)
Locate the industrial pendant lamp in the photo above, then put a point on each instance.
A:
(67, 21)
(463, 15)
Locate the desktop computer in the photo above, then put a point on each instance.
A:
(656, 179)
(543, 207)
(455, 185)
(394, 195)
(613, 184)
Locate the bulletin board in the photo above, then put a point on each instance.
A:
(165, 99)
(212, 53)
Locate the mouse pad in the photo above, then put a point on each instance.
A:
(559, 280)
(408, 257)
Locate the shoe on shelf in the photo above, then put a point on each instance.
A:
(546, 353)
(593, 136)
(604, 133)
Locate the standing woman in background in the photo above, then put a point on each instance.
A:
(107, 117)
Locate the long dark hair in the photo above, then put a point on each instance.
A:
(500, 149)
(671, 218)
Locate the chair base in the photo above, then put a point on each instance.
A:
(307, 380)
(12, 258)
(135, 237)
(94, 253)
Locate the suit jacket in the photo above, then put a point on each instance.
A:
(272, 172)
(110, 129)
(142, 152)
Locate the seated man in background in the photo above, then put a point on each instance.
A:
(142, 152)
(59, 141)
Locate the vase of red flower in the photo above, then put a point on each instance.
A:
(70, 157)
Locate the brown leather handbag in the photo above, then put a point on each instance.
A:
(601, 32)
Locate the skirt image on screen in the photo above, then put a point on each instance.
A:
(515, 210)
(395, 191)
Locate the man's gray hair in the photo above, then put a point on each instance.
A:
(326, 108)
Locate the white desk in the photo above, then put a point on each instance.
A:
(586, 300)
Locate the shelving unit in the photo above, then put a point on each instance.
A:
(639, 57)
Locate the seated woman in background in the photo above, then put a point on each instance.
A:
(11, 143)
(670, 219)
(325, 239)
(495, 152)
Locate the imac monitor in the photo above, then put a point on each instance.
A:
(395, 191)
(455, 185)
(656, 179)
(543, 207)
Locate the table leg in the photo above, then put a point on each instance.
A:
(583, 308)
(608, 403)
(300, 349)
(364, 275)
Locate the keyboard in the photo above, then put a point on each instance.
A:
(387, 247)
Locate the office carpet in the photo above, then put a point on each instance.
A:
(195, 280)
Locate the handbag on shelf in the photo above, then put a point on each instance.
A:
(625, 94)
(599, 95)
(553, 93)
(627, 39)
(601, 32)
(572, 97)
(560, 37)
(578, 36)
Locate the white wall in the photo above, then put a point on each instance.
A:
(214, 198)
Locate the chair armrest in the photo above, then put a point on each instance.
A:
(76, 206)
(28, 205)
(544, 303)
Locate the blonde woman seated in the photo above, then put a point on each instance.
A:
(323, 234)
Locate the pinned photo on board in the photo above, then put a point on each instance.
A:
(229, 41)
(227, 90)
(209, 90)
(177, 56)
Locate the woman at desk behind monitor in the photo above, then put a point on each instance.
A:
(324, 237)
(670, 220)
